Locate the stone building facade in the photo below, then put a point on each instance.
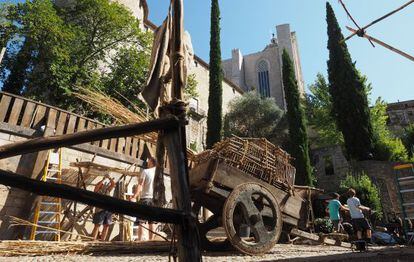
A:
(196, 131)
(262, 71)
(401, 114)
(331, 167)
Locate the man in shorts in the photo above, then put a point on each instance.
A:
(102, 217)
(145, 190)
(333, 208)
(359, 222)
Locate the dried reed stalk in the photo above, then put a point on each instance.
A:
(15, 221)
(105, 104)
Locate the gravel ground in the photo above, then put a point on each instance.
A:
(280, 252)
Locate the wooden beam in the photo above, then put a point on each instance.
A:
(39, 144)
(384, 44)
(91, 198)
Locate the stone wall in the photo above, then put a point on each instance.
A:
(331, 167)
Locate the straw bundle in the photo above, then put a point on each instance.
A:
(105, 104)
(43, 248)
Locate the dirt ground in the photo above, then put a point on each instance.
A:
(279, 253)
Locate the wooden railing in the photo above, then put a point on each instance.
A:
(33, 116)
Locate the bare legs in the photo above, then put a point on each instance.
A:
(151, 228)
(95, 232)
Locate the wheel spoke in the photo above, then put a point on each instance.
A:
(260, 232)
(248, 206)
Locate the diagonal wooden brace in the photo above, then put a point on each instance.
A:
(93, 199)
(44, 143)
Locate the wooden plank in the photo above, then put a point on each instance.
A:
(51, 122)
(91, 198)
(120, 146)
(28, 114)
(128, 146)
(71, 124)
(405, 166)
(317, 238)
(81, 125)
(15, 112)
(40, 116)
(90, 126)
(38, 144)
(112, 146)
(4, 106)
(134, 150)
(105, 144)
(141, 149)
(60, 128)
(97, 126)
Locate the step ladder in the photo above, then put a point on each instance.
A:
(404, 176)
(47, 215)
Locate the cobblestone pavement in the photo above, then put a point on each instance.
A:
(280, 252)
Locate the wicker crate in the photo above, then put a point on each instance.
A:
(256, 157)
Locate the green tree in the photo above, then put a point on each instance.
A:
(408, 140)
(190, 90)
(253, 116)
(350, 103)
(299, 145)
(387, 147)
(215, 97)
(366, 191)
(57, 49)
(319, 112)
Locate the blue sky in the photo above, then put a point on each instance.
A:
(248, 25)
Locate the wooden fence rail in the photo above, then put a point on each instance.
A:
(32, 115)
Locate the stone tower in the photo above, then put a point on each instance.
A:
(262, 71)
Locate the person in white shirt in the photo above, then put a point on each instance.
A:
(359, 222)
(145, 190)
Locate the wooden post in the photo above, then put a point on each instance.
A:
(175, 143)
(3, 50)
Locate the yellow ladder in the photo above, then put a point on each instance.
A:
(47, 216)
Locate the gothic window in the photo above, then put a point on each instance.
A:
(263, 76)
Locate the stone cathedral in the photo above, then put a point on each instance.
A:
(262, 71)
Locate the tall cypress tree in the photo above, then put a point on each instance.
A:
(350, 103)
(299, 145)
(214, 118)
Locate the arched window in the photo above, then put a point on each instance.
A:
(263, 76)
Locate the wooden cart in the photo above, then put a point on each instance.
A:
(248, 185)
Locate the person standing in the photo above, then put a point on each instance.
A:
(333, 208)
(145, 191)
(101, 216)
(359, 222)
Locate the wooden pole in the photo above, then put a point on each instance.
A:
(176, 145)
(39, 144)
(3, 50)
(91, 198)
(384, 44)
(380, 19)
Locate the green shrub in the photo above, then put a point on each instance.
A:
(323, 225)
(366, 191)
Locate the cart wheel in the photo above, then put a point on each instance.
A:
(211, 223)
(253, 206)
